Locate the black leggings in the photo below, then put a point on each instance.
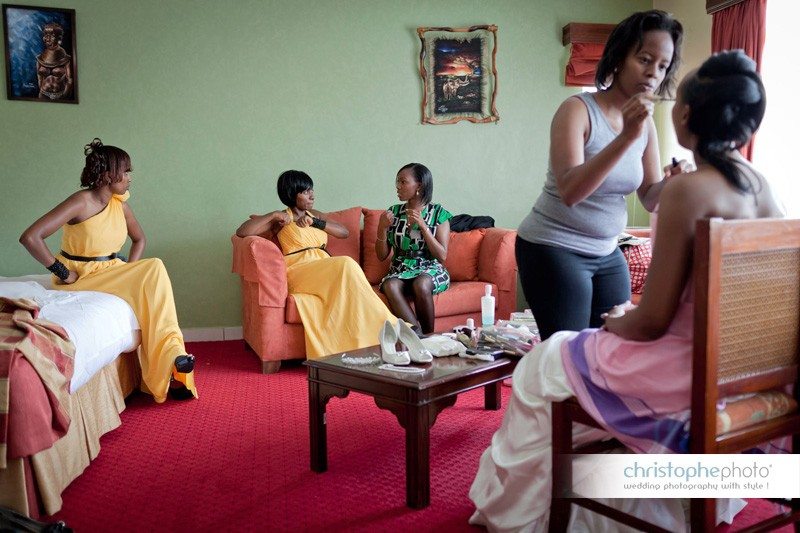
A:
(569, 291)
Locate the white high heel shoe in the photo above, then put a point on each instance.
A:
(389, 354)
(417, 350)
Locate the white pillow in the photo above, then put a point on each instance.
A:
(32, 291)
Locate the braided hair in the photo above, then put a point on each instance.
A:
(104, 164)
(727, 100)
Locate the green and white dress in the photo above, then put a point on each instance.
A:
(411, 255)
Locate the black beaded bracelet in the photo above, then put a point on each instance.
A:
(318, 223)
(59, 270)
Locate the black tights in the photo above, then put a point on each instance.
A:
(421, 290)
(569, 291)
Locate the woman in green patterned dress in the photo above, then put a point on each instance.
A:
(418, 231)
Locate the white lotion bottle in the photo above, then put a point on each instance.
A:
(487, 307)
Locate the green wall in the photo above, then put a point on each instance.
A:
(214, 99)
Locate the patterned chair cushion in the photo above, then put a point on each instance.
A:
(740, 412)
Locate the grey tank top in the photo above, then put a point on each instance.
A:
(591, 226)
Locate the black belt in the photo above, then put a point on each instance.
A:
(412, 254)
(309, 248)
(87, 259)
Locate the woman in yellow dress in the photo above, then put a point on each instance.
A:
(96, 223)
(337, 305)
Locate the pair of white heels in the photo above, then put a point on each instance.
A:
(415, 350)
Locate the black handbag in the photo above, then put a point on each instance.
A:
(14, 522)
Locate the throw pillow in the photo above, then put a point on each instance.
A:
(638, 258)
(462, 254)
(374, 269)
(351, 246)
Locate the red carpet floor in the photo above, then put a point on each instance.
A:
(237, 459)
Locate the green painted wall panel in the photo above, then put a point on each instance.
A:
(214, 99)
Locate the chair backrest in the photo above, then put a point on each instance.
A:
(746, 323)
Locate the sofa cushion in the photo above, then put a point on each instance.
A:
(461, 298)
(638, 258)
(351, 246)
(374, 269)
(462, 254)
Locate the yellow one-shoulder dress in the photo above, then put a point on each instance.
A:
(144, 284)
(336, 303)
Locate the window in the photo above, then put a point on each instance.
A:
(775, 142)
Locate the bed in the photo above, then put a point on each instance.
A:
(105, 334)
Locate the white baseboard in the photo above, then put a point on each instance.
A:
(212, 334)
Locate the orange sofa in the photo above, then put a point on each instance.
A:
(271, 323)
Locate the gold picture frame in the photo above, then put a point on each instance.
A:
(459, 75)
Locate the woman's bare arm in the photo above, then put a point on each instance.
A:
(263, 225)
(135, 232)
(332, 227)
(33, 238)
(577, 178)
(669, 270)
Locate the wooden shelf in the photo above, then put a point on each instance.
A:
(713, 6)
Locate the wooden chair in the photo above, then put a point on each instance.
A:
(746, 326)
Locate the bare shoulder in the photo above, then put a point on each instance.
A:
(571, 110)
(82, 197)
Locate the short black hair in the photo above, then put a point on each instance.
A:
(290, 184)
(628, 35)
(425, 179)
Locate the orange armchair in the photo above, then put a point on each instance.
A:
(270, 321)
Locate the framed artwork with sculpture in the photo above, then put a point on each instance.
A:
(41, 60)
(459, 77)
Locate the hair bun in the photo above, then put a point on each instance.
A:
(726, 63)
(92, 146)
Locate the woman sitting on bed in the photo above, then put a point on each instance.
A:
(96, 223)
(337, 305)
(643, 355)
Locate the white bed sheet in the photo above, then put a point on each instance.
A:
(100, 325)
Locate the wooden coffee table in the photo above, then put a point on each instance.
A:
(415, 399)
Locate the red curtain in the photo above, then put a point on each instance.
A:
(743, 25)
(583, 59)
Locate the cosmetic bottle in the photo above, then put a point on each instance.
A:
(487, 307)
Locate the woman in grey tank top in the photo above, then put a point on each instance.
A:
(603, 146)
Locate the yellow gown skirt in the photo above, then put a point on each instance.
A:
(338, 308)
(143, 284)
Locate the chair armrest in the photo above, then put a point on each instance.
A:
(259, 260)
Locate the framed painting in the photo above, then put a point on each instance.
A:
(459, 77)
(41, 59)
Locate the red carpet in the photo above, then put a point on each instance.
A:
(237, 459)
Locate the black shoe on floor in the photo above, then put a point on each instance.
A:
(184, 363)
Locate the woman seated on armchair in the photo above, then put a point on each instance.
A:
(642, 355)
(336, 303)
